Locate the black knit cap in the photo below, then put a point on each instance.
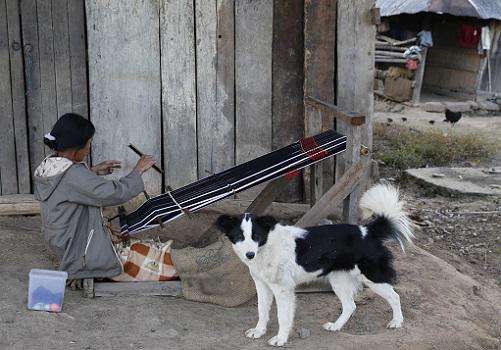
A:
(71, 131)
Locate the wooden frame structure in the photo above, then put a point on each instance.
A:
(334, 70)
(322, 204)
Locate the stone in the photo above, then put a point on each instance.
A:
(475, 181)
(438, 175)
(473, 104)
(435, 107)
(458, 106)
(303, 332)
(481, 113)
(488, 106)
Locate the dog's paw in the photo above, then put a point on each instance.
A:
(255, 333)
(395, 323)
(277, 341)
(331, 326)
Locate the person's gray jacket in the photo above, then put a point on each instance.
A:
(71, 197)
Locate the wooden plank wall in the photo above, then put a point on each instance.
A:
(288, 76)
(179, 92)
(55, 71)
(14, 163)
(8, 175)
(215, 52)
(320, 74)
(124, 75)
(219, 105)
(253, 81)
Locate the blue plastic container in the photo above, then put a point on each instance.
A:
(46, 290)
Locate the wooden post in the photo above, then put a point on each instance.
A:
(313, 126)
(418, 80)
(253, 82)
(179, 96)
(287, 82)
(18, 97)
(88, 288)
(352, 156)
(355, 78)
(325, 205)
(319, 81)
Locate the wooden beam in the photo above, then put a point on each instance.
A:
(325, 205)
(375, 15)
(319, 81)
(114, 289)
(78, 53)
(351, 118)
(355, 80)
(19, 204)
(18, 97)
(352, 156)
(313, 126)
(124, 83)
(179, 95)
(253, 82)
(257, 207)
(287, 82)
(418, 81)
(215, 50)
(277, 209)
(8, 174)
(268, 194)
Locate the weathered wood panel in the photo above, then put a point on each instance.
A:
(19, 204)
(124, 79)
(215, 85)
(61, 56)
(355, 75)
(47, 68)
(8, 175)
(32, 75)
(253, 76)
(319, 69)
(78, 54)
(18, 97)
(288, 60)
(178, 92)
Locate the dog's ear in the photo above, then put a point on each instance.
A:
(266, 222)
(226, 223)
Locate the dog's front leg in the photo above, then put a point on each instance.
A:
(285, 297)
(264, 300)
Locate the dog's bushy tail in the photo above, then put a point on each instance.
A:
(391, 221)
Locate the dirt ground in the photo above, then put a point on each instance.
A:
(449, 284)
(463, 230)
(443, 309)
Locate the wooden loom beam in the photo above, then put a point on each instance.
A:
(315, 108)
(337, 193)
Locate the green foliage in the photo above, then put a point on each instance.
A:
(402, 148)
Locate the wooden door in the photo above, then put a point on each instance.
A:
(43, 70)
(53, 34)
(14, 160)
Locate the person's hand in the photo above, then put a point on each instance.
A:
(144, 163)
(107, 167)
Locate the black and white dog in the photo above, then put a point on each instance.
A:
(347, 256)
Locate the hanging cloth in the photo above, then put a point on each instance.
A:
(469, 35)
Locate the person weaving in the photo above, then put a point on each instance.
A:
(71, 197)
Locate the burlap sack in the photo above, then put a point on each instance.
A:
(213, 274)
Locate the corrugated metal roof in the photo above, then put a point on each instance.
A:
(484, 9)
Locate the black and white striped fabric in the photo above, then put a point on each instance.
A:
(192, 197)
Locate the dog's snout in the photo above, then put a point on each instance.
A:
(250, 255)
